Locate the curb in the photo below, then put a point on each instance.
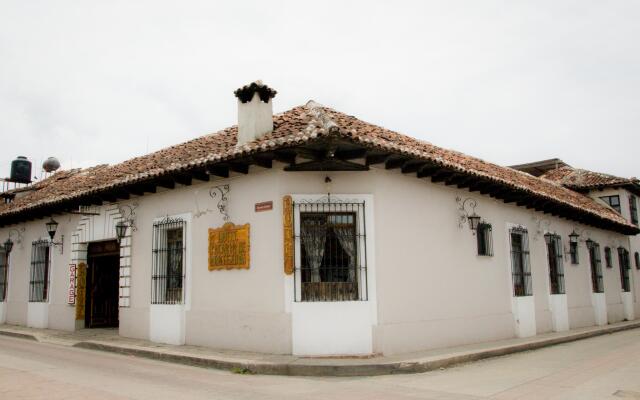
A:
(19, 335)
(310, 367)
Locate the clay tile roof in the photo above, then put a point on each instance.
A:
(582, 179)
(296, 126)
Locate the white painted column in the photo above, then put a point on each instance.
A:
(599, 302)
(559, 312)
(627, 305)
(524, 313)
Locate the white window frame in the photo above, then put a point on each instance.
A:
(187, 266)
(365, 282)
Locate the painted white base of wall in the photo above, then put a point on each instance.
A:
(167, 323)
(524, 314)
(559, 312)
(627, 305)
(38, 315)
(3, 312)
(599, 302)
(331, 328)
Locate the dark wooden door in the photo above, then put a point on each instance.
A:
(103, 274)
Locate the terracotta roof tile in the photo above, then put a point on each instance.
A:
(298, 125)
(576, 178)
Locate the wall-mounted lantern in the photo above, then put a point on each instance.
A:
(547, 237)
(573, 237)
(52, 227)
(589, 243)
(467, 209)
(121, 230)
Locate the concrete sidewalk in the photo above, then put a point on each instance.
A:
(271, 364)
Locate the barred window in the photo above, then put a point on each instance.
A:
(607, 257)
(633, 209)
(520, 266)
(4, 266)
(623, 258)
(573, 251)
(168, 271)
(40, 266)
(637, 257)
(556, 267)
(332, 244)
(596, 267)
(485, 240)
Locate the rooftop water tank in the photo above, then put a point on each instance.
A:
(20, 170)
(51, 164)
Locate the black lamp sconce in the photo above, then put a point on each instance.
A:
(121, 230)
(467, 210)
(52, 227)
(574, 236)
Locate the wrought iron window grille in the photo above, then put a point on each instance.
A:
(520, 263)
(625, 267)
(168, 268)
(607, 257)
(330, 238)
(556, 264)
(4, 267)
(40, 271)
(573, 252)
(596, 267)
(485, 239)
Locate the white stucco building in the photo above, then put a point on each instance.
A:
(311, 232)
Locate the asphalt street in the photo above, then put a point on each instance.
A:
(604, 367)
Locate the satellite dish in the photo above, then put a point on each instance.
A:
(51, 164)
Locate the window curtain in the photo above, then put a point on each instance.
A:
(344, 233)
(314, 237)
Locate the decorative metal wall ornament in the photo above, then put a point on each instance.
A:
(128, 214)
(220, 192)
(542, 226)
(464, 206)
(18, 234)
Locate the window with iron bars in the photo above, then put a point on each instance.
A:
(556, 267)
(4, 266)
(331, 241)
(573, 252)
(168, 269)
(607, 257)
(485, 240)
(596, 267)
(520, 265)
(40, 266)
(623, 260)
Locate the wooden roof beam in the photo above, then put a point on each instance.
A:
(412, 166)
(394, 162)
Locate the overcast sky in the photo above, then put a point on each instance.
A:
(508, 81)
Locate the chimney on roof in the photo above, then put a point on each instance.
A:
(255, 111)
